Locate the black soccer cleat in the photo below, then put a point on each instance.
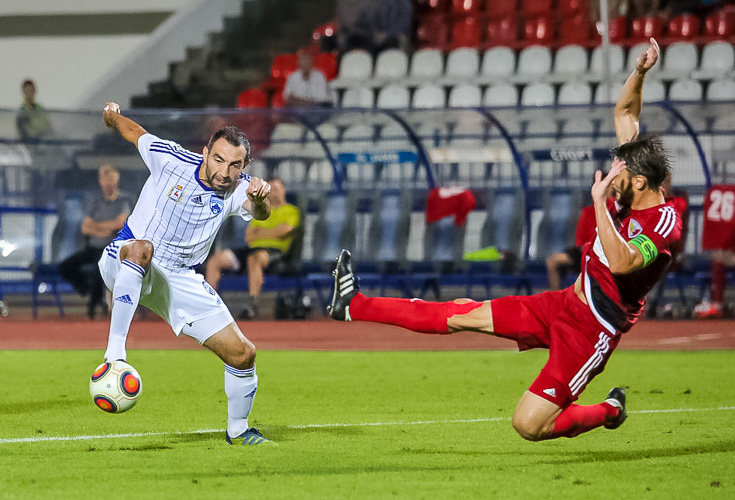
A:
(616, 398)
(345, 288)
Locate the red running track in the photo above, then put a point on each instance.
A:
(334, 336)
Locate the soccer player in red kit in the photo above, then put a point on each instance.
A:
(581, 325)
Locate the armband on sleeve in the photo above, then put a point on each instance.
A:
(647, 248)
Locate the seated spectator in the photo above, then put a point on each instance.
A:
(374, 25)
(307, 86)
(32, 121)
(267, 243)
(104, 216)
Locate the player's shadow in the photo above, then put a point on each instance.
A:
(644, 454)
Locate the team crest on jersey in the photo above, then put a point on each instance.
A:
(197, 200)
(176, 193)
(216, 205)
(634, 228)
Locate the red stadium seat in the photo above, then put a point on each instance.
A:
(466, 32)
(433, 32)
(571, 8)
(283, 65)
(324, 31)
(575, 30)
(277, 101)
(467, 7)
(644, 28)
(536, 8)
(683, 27)
(327, 64)
(501, 10)
(618, 28)
(252, 98)
(720, 25)
(501, 32)
(429, 7)
(538, 31)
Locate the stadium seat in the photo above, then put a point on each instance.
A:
(466, 32)
(428, 97)
(46, 279)
(575, 93)
(357, 138)
(252, 98)
(721, 90)
(501, 32)
(462, 8)
(286, 141)
(616, 61)
(424, 7)
(393, 96)
(463, 64)
(390, 66)
(282, 66)
(618, 30)
(633, 53)
(293, 172)
(607, 93)
(432, 32)
(277, 100)
(533, 63)
(335, 228)
(326, 63)
(355, 67)
(533, 8)
(720, 25)
(465, 96)
(571, 8)
(685, 90)
(498, 64)
(538, 94)
(501, 10)
(644, 28)
(557, 228)
(427, 65)
(679, 60)
(357, 97)
(683, 27)
(575, 30)
(500, 96)
(654, 91)
(393, 137)
(538, 31)
(718, 60)
(570, 63)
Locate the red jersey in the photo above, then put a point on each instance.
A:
(718, 232)
(587, 224)
(617, 300)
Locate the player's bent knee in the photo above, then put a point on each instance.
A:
(527, 428)
(244, 356)
(139, 251)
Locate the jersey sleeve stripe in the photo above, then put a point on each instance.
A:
(175, 155)
(666, 231)
(661, 220)
(178, 149)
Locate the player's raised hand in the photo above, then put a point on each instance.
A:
(647, 60)
(601, 188)
(110, 110)
(258, 190)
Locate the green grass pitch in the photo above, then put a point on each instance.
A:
(363, 425)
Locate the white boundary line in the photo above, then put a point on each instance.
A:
(319, 426)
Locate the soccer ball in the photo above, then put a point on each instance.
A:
(115, 386)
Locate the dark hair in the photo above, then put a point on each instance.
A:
(645, 155)
(27, 82)
(234, 136)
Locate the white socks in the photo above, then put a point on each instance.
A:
(240, 388)
(125, 297)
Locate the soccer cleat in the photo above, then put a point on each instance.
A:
(251, 437)
(616, 399)
(708, 310)
(345, 288)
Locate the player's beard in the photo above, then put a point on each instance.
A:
(211, 180)
(625, 193)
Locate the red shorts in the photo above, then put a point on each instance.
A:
(579, 346)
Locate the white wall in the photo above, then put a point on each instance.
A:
(35, 7)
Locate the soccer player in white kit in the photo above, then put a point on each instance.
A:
(181, 207)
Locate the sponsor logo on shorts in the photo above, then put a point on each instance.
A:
(550, 392)
(125, 299)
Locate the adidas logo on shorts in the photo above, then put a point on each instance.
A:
(550, 392)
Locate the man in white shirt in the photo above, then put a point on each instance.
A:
(307, 86)
(182, 205)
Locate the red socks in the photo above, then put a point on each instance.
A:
(414, 314)
(577, 419)
(717, 289)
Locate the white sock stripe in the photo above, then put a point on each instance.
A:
(345, 278)
(135, 267)
(347, 290)
(249, 372)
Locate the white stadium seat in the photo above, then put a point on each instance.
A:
(538, 94)
(570, 62)
(498, 64)
(501, 95)
(285, 140)
(617, 63)
(463, 65)
(390, 66)
(393, 96)
(427, 65)
(357, 138)
(721, 90)
(429, 97)
(575, 93)
(465, 96)
(653, 91)
(685, 90)
(680, 59)
(355, 67)
(633, 53)
(607, 93)
(718, 60)
(533, 64)
(357, 97)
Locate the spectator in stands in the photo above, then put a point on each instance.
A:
(374, 25)
(393, 19)
(267, 242)
(32, 120)
(104, 216)
(307, 86)
(570, 260)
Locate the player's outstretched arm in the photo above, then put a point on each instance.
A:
(628, 107)
(257, 203)
(129, 130)
(622, 257)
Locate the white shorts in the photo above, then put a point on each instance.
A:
(183, 298)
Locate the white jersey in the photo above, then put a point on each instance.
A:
(175, 211)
